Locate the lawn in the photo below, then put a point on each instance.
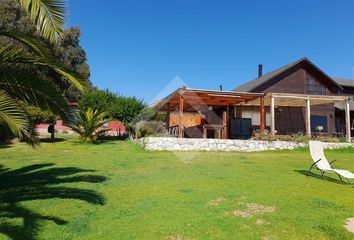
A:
(116, 190)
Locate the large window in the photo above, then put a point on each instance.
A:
(314, 87)
(319, 123)
(256, 117)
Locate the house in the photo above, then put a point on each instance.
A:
(296, 98)
(116, 127)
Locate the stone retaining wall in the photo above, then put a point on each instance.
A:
(198, 144)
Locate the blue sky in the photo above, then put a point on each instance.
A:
(138, 47)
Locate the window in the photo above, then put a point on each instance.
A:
(314, 87)
(256, 117)
(319, 123)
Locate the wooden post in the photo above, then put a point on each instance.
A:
(347, 121)
(272, 116)
(262, 117)
(168, 115)
(180, 117)
(308, 117)
(227, 122)
(224, 123)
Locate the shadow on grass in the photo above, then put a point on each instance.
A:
(5, 144)
(36, 182)
(318, 176)
(49, 140)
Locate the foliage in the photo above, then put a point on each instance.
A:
(90, 124)
(12, 120)
(66, 50)
(37, 115)
(174, 193)
(98, 99)
(149, 128)
(48, 15)
(20, 81)
(29, 71)
(128, 110)
(69, 52)
(295, 138)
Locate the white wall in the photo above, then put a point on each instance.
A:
(255, 116)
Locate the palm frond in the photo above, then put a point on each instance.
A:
(12, 116)
(13, 55)
(91, 124)
(26, 86)
(48, 15)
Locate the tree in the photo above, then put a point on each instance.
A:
(66, 50)
(128, 110)
(69, 52)
(23, 60)
(90, 124)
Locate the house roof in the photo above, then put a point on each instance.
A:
(198, 99)
(344, 82)
(253, 84)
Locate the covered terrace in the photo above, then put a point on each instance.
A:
(197, 100)
(274, 100)
(186, 100)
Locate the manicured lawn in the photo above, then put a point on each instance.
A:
(116, 190)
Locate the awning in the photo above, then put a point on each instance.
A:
(199, 99)
(298, 100)
(340, 105)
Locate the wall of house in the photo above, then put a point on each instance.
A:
(190, 119)
(292, 119)
(294, 81)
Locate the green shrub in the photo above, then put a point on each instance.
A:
(295, 138)
(149, 128)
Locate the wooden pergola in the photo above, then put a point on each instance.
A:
(193, 100)
(302, 100)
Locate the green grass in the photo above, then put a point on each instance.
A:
(116, 190)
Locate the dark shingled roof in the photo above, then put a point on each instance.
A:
(251, 85)
(344, 82)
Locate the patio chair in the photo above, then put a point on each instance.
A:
(322, 164)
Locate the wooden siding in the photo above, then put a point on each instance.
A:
(294, 81)
(189, 119)
(290, 119)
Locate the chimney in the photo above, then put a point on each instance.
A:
(260, 70)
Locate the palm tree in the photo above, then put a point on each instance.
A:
(22, 65)
(48, 15)
(90, 124)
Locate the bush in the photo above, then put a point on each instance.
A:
(149, 128)
(295, 138)
(37, 115)
(124, 109)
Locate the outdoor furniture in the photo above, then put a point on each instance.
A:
(215, 127)
(322, 164)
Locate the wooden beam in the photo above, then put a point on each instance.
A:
(308, 117)
(227, 122)
(347, 121)
(262, 117)
(180, 118)
(272, 116)
(168, 115)
(224, 122)
(205, 132)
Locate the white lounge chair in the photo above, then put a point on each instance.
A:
(322, 164)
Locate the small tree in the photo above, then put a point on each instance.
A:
(90, 124)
